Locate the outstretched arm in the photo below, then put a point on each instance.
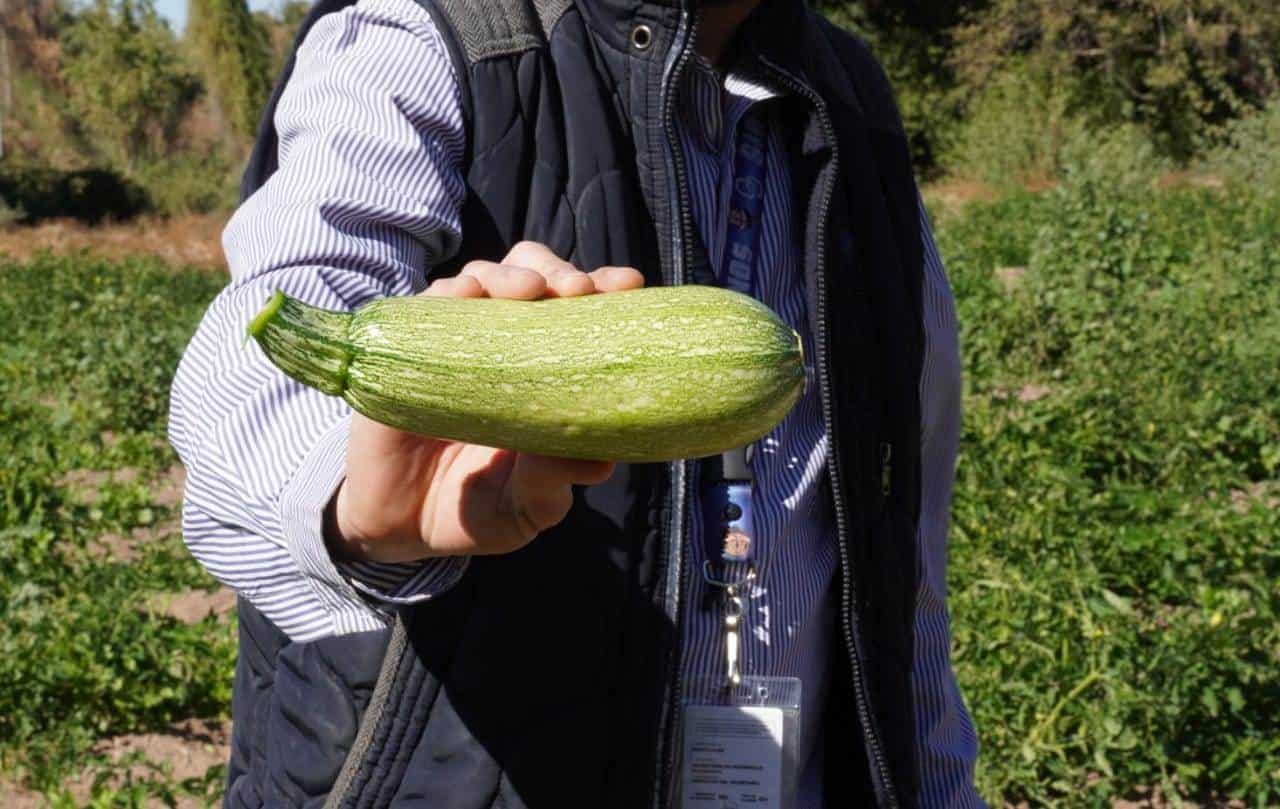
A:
(367, 194)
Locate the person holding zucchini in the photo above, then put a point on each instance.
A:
(570, 620)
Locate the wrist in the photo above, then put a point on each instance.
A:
(336, 541)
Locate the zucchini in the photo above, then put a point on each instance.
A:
(650, 374)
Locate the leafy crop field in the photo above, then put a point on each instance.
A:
(1115, 569)
(91, 562)
(1116, 553)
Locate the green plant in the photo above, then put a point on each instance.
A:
(912, 42)
(1250, 155)
(1015, 129)
(1115, 549)
(282, 27)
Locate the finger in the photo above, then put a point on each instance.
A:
(616, 279)
(546, 471)
(563, 279)
(460, 286)
(535, 256)
(535, 510)
(568, 283)
(501, 281)
(541, 487)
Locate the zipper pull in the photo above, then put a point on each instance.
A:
(886, 469)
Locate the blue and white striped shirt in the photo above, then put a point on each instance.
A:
(369, 190)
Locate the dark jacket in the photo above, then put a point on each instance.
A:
(548, 678)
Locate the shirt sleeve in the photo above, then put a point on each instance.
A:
(946, 742)
(368, 193)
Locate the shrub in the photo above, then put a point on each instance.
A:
(1250, 157)
(911, 42)
(1015, 130)
(191, 182)
(127, 86)
(89, 195)
(235, 53)
(1181, 70)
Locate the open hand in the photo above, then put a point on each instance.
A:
(407, 497)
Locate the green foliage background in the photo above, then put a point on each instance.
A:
(235, 52)
(108, 86)
(1116, 555)
(1115, 576)
(996, 89)
(128, 88)
(993, 90)
(86, 357)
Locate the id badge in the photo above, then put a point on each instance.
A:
(739, 744)
(728, 520)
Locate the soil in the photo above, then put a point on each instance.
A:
(186, 749)
(180, 240)
(167, 489)
(1033, 392)
(190, 747)
(1262, 493)
(953, 194)
(1010, 278)
(192, 606)
(16, 796)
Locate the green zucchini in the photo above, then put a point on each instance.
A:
(651, 374)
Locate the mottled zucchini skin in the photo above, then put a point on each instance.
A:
(651, 374)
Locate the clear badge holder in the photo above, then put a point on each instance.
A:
(738, 745)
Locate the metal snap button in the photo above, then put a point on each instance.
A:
(641, 37)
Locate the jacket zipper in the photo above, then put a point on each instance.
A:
(886, 472)
(677, 575)
(871, 733)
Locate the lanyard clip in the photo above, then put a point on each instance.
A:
(732, 632)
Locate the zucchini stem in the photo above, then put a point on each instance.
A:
(261, 320)
(310, 344)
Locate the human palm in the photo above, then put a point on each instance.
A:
(408, 497)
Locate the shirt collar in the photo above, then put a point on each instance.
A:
(710, 97)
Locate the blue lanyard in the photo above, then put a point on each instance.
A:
(746, 204)
(727, 497)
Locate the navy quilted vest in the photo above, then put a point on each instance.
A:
(545, 678)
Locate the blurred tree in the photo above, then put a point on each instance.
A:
(1179, 68)
(235, 55)
(913, 41)
(281, 27)
(127, 88)
(293, 13)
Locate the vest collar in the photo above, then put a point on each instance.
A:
(774, 29)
